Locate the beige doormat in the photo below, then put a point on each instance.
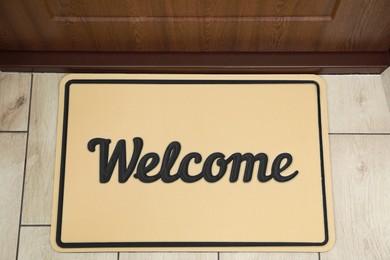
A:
(192, 163)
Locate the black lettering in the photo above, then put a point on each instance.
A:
(170, 157)
(149, 161)
(250, 159)
(183, 169)
(207, 167)
(144, 167)
(106, 166)
(277, 169)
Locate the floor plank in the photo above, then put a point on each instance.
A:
(41, 149)
(385, 76)
(268, 256)
(12, 153)
(34, 244)
(361, 188)
(168, 256)
(14, 101)
(357, 104)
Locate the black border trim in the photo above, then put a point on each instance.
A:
(179, 244)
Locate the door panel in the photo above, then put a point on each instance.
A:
(100, 9)
(196, 26)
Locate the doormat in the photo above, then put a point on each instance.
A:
(192, 163)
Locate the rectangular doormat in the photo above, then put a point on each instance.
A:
(192, 163)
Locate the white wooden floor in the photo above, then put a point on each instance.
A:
(359, 121)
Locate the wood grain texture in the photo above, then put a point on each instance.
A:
(268, 256)
(185, 26)
(168, 256)
(210, 62)
(34, 244)
(40, 155)
(361, 181)
(12, 153)
(357, 104)
(176, 9)
(14, 101)
(385, 76)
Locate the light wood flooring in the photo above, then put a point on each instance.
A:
(359, 125)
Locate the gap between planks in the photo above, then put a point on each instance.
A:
(24, 167)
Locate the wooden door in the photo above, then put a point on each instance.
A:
(189, 25)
